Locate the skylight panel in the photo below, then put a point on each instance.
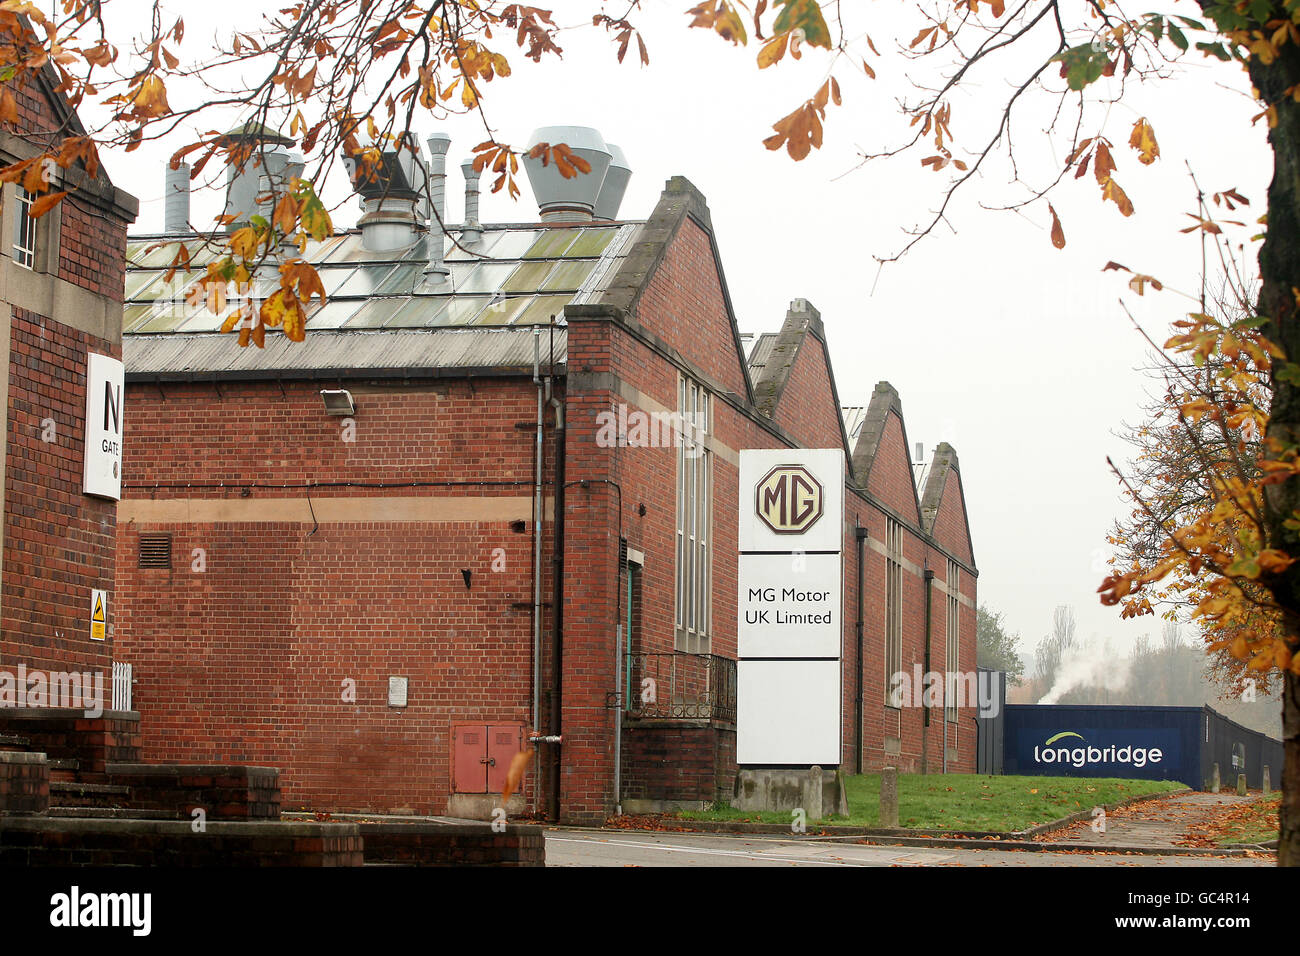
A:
(527, 277)
(503, 311)
(419, 312)
(591, 242)
(551, 243)
(542, 309)
(568, 276)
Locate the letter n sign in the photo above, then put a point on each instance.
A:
(104, 395)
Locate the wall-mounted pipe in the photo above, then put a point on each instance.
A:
(861, 535)
(925, 707)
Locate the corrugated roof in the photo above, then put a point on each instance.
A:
(203, 355)
(761, 352)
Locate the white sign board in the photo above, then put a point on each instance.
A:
(788, 713)
(790, 605)
(792, 499)
(104, 393)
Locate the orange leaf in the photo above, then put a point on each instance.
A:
(1058, 234)
(514, 776)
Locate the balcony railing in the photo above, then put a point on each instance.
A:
(678, 686)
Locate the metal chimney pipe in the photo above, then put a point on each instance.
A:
(473, 229)
(438, 145)
(176, 200)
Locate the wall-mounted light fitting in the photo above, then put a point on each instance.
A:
(338, 401)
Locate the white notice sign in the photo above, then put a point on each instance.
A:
(790, 605)
(104, 394)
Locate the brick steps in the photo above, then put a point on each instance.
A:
(76, 794)
(101, 813)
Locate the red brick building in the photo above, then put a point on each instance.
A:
(61, 280)
(332, 558)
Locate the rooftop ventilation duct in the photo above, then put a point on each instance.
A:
(612, 189)
(390, 195)
(260, 161)
(436, 269)
(568, 200)
(472, 231)
(176, 200)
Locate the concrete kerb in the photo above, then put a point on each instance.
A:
(958, 839)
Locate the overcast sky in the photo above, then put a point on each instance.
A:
(1013, 351)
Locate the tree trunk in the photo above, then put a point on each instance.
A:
(1279, 270)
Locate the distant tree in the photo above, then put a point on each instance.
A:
(1053, 648)
(995, 648)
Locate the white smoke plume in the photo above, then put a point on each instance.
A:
(1091, 663)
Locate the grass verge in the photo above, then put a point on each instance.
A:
(967, 801)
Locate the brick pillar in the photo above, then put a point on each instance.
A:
(591, 582)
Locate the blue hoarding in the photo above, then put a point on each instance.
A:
(1148, 743)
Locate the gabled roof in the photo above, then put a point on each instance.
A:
(944, 468)
(870, 427)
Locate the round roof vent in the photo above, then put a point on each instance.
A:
(574, 198)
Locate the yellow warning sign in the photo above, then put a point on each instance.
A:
(98, 614)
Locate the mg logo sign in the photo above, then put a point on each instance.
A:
(789, 499)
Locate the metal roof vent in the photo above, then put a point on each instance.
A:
(574, 199)
(176, 200)
(614, 186)
(390, 196)
(261, 162)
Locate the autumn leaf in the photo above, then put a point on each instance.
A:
(1058, 234)
(45, 203)
(1143, 139)
(804, 15)
(1111, 190)
(515, 774)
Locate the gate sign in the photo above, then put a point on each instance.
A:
(104, 393)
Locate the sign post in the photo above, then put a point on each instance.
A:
(790, 628)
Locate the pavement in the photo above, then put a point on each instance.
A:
(575, 847)
(1158, 824)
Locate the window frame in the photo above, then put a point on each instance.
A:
(893, 607)
(952, 649)
(693, 535)
(26, 226)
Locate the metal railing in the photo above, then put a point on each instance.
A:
(121, 686)
(680, 686)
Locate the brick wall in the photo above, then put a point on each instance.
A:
(247, 648)
(58, 542)
(676, 762)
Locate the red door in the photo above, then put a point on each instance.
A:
(481, 755)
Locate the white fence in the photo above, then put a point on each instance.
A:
(121, 686)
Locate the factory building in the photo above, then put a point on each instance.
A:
(491, 505)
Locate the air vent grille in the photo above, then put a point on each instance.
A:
(155, 551)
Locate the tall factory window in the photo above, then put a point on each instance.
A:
(952, 662)
(694, 508)
(893, 606)
(25, 231)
